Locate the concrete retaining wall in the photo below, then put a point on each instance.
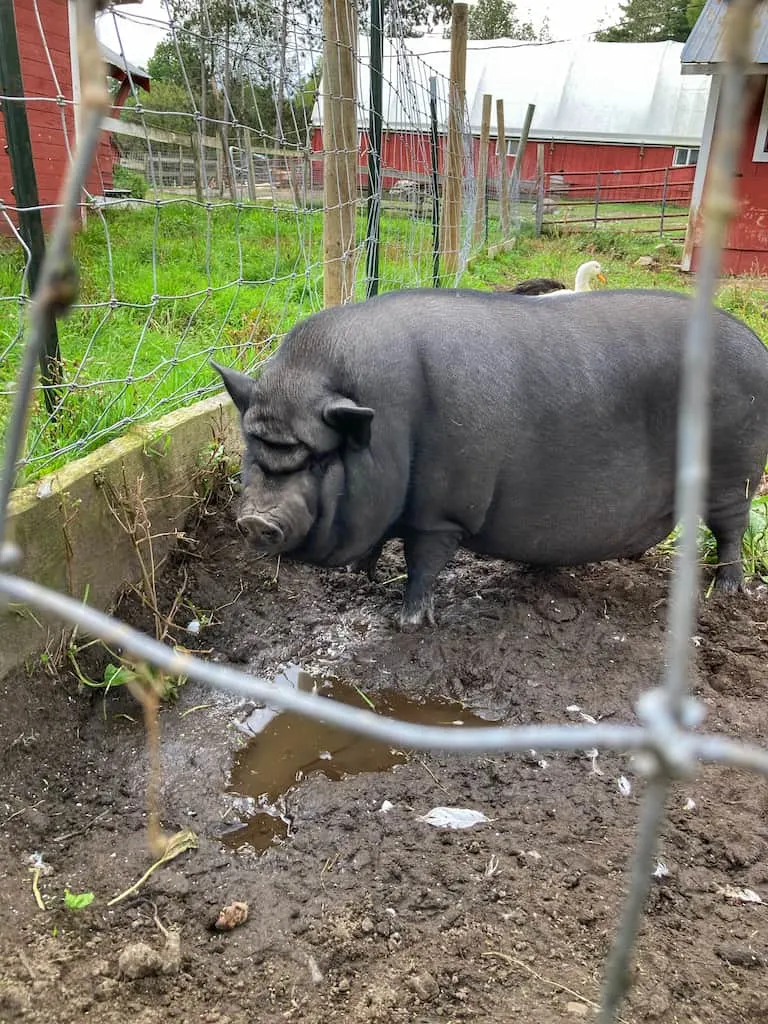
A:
(70, 538)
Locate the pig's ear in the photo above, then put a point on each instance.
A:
(350, 419)
(239, 386)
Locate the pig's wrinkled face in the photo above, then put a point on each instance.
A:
(293, 467)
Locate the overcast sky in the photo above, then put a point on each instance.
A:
(140, 26)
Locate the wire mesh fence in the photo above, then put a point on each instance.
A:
(203, 216)
(668, 716)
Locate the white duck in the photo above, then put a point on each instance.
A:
(586, 276)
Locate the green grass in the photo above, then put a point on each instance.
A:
(640, 217)
(164, 288)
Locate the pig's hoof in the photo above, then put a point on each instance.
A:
(730, 580)
(411, 619)
(365, 565)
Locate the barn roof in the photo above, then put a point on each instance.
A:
(120, 68)
(584, 91)
(704, 49)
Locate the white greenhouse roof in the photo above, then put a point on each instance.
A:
(583, 91)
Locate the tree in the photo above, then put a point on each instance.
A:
(694, 9)
(497, 19)
(649, 21)
(406, 18)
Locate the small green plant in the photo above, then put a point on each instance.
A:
(78, 900)
(113, 675)
(122, 177)
(755, 545)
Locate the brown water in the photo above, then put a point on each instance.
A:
(285, 748)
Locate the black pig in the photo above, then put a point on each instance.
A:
(539, 432)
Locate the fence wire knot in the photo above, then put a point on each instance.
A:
(10, 555)
(672, 752)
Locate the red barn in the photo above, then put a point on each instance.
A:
(47, 51)
(600, 108)
(746, 247)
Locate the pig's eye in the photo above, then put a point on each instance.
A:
(281, 446)
(275, 446)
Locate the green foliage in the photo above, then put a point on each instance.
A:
(755, 544)
(693, 10)
(248, 53)
(649, 21)
(497, 19)
(125, 178)
(408, 18)
(78, 900)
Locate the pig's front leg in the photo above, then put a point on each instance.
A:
(368, 563)
(426, 555)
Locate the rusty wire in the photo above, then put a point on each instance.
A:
(665, 737)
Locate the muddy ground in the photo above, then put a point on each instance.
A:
(361, 916)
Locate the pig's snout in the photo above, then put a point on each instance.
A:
(260, 531)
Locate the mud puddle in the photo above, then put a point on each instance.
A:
(285, 748)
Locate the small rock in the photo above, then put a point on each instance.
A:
(231, 916)
(366, 926)
(362, 859)
(577, 1009)
(100, 968)
(740, 956)
(343, 985)
(645, 261)
(105, 990)
(518, 916)
(425, 986)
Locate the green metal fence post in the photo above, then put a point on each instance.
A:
(374, 150)
(19, 146)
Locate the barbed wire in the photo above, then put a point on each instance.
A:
(666, 738)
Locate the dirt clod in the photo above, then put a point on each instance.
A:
(231, 916)
(139, 961)
(740, 956)
(425, 986)
(577, 1009)
(14, 1002)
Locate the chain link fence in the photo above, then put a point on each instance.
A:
(666, 740)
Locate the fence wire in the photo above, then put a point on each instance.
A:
(668, 715)
(203, 209)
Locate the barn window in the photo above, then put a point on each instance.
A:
(760, 154)
(512, 145)
(685, 156)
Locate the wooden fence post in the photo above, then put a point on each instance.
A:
(198, 161)
(249, 169)
(522, 145)
(482, 171)
(539, 188)
(664, 193)
(501, 156)
(451, 212)
(597, 199)
(340, 154)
